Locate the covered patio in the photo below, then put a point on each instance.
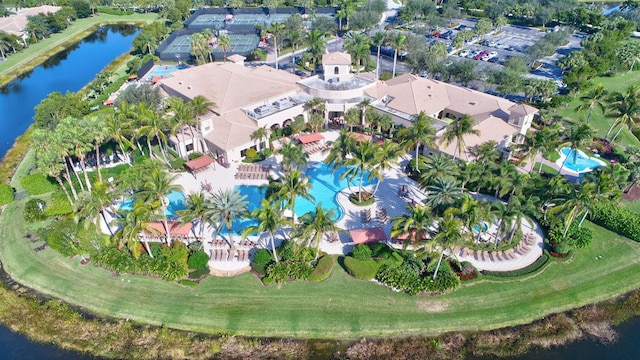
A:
(200, 164)
(369, 235)
(178, 230)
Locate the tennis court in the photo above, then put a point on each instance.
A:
(179, 45)
(240, 44)
(211, 21)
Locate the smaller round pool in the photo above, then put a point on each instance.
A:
(579, 162)
(176, 203)
(476, 227)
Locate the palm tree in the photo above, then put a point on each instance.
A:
(117, 130)
(270, 217)
(378, 40)
(437, 166)
(457, 130)
(276, 29)
(505, 213)
(51, 160)
(224, 42)
(594, 98)
(293, 154)
(157, 185)
(443, 193)
(152, 125)
(364, 105)
(448, 233)
(576, 137)
(196, 206)
(540, 142)
(259, 134)
(625, 108)
(98, 134)
(358, 46)
(76, 135)
(472, 213)
(416, 223)
(225, 206)
(341, 150)
(422, 133)
(200, 105)
(182, 117)
(294, 184)
(363, 160)
(315, 40)
(387, 155)
(352, 118)
(315, 224)
(131, 224)
(95, 203)
(397, 42)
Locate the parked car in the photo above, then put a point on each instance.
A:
(464, 52)
(493, 54)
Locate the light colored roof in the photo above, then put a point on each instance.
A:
(363, 236)
(230, 86)
(336, 58)
(492, 128)
(231, 130)
(411, 94)
(15, 24)
(477, 104)
(38, 10)
(235, 58)
(523, 109)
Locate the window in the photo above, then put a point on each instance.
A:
(336, 70)
(189, 147)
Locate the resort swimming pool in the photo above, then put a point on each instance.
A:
(583, 163)
(163, 71)
(176, 203)
(324, 188)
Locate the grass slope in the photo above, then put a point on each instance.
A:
(340, 307)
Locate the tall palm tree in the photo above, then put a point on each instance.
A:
(152, 125)
(358, 46)
(259, 134)
(540, 142)
(51, 159)
(224, 42)
(387, 155)
(315, 224)
(577, 202)
(75, 133)
(200, 105)
(422, 133)
(317, 46)
(363, 161)
(443, 194)
(225, 206)
(378, 40)
(181, 118)
(94, 204)
(472, 213)
(276, 29)
(340, 150)
(117, 130)
(131, 224)
(595, 98)
(398, 42)
(157, 185)
(98, 134)
(625, 108)
(364, 105)
(448, 234)
(576, 138)
(293, 154)
(437, 166)
(270, 217)
(294, 184)
(416, 223)
(457, 130)
(196, 206)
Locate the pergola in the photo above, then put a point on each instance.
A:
(369, 235)
(176, 229)
(310, 138)
(196, 165)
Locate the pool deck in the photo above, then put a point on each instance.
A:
(387, 197)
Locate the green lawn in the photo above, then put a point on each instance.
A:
(598, 121)
(57, 42)
(340, 307)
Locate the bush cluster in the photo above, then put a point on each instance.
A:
(112, 11)
(283, 271)
(59, 205)
(36, 184)
(62, 236)
(261, 258)
(323, 269)
(34, 210)
(6, 194)
(577, 237)
(170, 263)
(198, 260)
(408, 278)
(538, 265)
(362, 269)
(362, 252)
(368, 258)
(199, 273)
(617, 219)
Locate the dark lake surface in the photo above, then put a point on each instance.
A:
(69, 70)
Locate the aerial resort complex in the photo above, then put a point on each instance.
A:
(405, 179)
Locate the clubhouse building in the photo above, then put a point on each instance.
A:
(248, 98)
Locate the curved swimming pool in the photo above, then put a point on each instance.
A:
(582, 163)
(176, 203)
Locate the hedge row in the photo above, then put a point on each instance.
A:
(6, 194)
(617, 219)
(536, 266)
(323, 269)
(37, 184)
(112, 11)
(367, 269)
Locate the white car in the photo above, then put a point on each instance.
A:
(464, 52)
(485, 58)
(493, 54)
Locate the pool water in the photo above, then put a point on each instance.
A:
(324, 188)
(163, 71)
(583, 163)
(176, 203)
(476, 227)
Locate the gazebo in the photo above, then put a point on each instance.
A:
(199, 164)
(310, 138)
(370, 235)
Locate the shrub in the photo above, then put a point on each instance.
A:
(403, 278)
(170, 262)
(444, 281)
(286, 250)
(617, 219)
(194, 155)
(199, 273)
(34, 210)
(267, 280)
(283, 271)
(251, 153)
(267, 152)
(362, 252)
(578, 237)
(323, 269)
(262, 256)
(6, 194)
(177, 163)
(111, 11)
(188, 283)
(36, 184)
(380, 250)
(61, 236)
(198, 260)
(59, 205)
(362, 269)
(385, 75)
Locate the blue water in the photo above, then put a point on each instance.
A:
(476, 227)
(176, 203)
(324, 188)
(69, 70)
(164, 70)
(581, 164)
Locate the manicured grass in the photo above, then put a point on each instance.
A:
(598, 121)
(37, 53)
(340, 307)
(633, 205)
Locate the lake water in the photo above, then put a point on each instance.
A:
(69, 70)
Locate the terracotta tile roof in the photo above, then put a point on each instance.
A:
(175, 228)
(306, 139)
(199, 163)
(363, 236)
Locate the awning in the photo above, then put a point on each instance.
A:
(363, 236)
(154, 79)
(306, 139)
(359, 137)
(199, 163)
(108, 102)
(405, 236)
(175, 228)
